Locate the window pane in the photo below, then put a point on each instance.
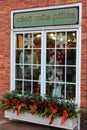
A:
(70, 91)
(19, 74)
(37, 40)
(60, 57)
(36, 72)
(51, 40)
(27, 86)
(71, 74)
(50, 73)
(50, 56)
(18, 56)
(19, 41)
(71, 39)
(36, 87)
(60, 75)
(28, 40)
(27, 72)
(18, 86)
(58, 90)
(28, 57)
(71, 57)
(60, 39)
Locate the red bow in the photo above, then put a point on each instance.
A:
(34, 108)
(64, 117)
(53, 110)
(19, 105)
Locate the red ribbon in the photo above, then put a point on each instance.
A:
(53, 110)
(64, 117)
(51, 120)
(34, 108)
(19, 108)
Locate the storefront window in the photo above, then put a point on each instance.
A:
(48, 66)
(61, 64)
(28, 62)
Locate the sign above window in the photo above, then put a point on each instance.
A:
(50, 17)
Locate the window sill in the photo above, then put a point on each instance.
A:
(69, 124)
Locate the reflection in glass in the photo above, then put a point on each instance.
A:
(19, 58)
(70, 91)
(28, 40)
(51, 40)
(19, 41)
(18, 86)
(50, 56)
(49, 88)
(27, 72)
(60, 40)
(59, 74)
(27, 86)
(50, 73)
(71, 57)
(58, 90)
(37, 40)
(36, 72)
(36, 87)
(35, 57)
(60, 57)
(19, 74)
(28, 57)
(71, 39)
(71, 74)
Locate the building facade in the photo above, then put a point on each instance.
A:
(43, 49)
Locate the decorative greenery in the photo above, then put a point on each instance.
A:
(43, 106)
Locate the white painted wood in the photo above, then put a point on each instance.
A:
(69, 124)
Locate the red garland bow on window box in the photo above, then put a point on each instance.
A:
(43, 106)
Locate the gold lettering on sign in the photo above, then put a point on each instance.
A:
(24, 19)
(63, 15)
(42, 17)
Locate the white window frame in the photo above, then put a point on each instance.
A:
(78, 27)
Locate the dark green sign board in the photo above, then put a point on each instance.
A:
(51, 17)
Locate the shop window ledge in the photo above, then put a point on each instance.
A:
(69, 123)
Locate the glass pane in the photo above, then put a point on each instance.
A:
(27, 86)
(35, 57)
(50, 56)
(71, 74)
(27, 72)
(71, 57)
(60, 40)
(50, 73)
(60, 57)
(51, 40)
(36, 87)
(28, 40)
(28, 57)
(70, 91)
(37, 40)
(18, 86)
(19, 72)
(36, 72)
(49, 88)
(58, 90)
(19, 41)
(71, 39)
(60, 75)
(19, 56)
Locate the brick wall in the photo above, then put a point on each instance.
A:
(6, 6)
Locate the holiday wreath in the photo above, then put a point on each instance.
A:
(43, 106)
